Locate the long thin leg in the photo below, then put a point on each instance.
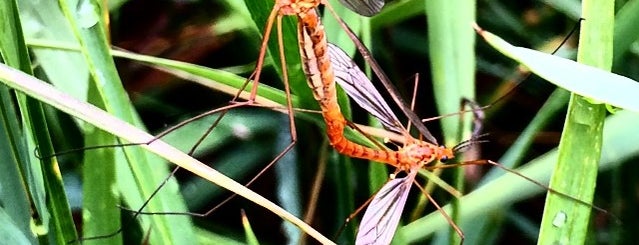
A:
(446, 216)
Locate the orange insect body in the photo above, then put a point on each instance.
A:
(321, 79)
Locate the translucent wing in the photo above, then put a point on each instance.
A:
(382, 215)
(364, 7)
(358, 87)
(384, 79)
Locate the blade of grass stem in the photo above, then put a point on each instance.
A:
(580, 146)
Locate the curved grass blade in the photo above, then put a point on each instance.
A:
(251, 239)
(578, 78)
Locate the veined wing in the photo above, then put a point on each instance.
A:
(358, 87)
(382, 215)
(364, 7)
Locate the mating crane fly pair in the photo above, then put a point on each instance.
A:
(325, 64)
(378, 225)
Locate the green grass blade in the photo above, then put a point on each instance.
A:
(251, 239)
(13, 147)
(575, 174)
(450, 36)
(99, 177)
(216, 79)
(42, 176)
(213, 78)
(12, 150)
(84, 17)
(453, 79)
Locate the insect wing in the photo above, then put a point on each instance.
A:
(366, 8)
(382, 215)
(388, 85)
(358, 87)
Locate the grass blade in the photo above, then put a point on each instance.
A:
(578, 78)
(453, 79)
(85, 19)
(575, 174)
(41, 176)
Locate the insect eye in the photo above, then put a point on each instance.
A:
(444, 159)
